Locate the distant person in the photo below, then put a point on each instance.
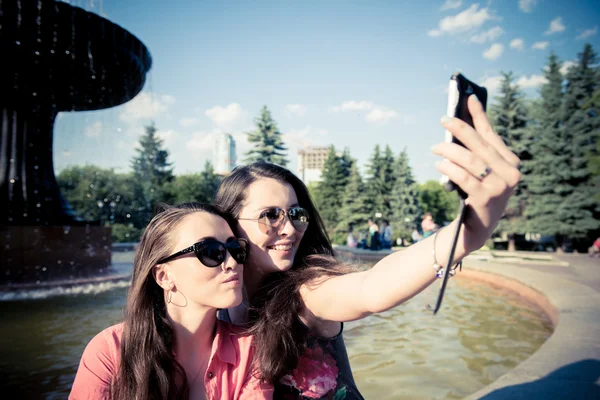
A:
(429, 227)
(386, 235)
(351, 240)
(374, 235)
(171, 345)
(594, 251)
(415, 236)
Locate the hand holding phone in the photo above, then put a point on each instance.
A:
(459, 90)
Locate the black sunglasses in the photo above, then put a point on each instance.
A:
(211, 252)
(272, 218)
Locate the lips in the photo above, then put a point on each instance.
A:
(232, 278)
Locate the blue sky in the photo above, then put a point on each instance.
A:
(349, 73)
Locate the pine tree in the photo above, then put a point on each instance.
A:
(544, 173)
(579, 215)
(330, 189)
(406, 210)
(267, 140)
(208, 184)
(510, 122)
(352, 212)
(151, 171)
(375, 186)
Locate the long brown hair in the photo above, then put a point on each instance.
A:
(273, 316)
(148, 368)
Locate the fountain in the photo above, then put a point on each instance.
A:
(56, 57)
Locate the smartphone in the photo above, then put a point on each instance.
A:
(459, 90)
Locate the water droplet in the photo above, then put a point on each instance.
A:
(37, 282)
(72, 263)
(12, 160)
(91, 185)
(35, 191)
(100, 204)
(37, 53)
(18, 43)
(35, 167)
(89, 195)
(59, 262)
(38, 205)
(12, 181)
(25, 215)
(34, 94)
(51, 51)
(128, 215)
(67, 52)
(93, 76)
(44, 269)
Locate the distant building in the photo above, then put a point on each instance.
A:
(311, 161)
(224, 158)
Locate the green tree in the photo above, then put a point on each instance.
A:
(375, 183)
(546, 170)
(579, 216)
(332, 185)
(98, 194)
(406, 210)
(151, 172)
(352, 211)
(267, 141)
(434, 199)
(200, 187)
(209, 184)
(509, 118)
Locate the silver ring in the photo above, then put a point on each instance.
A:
(485, 173)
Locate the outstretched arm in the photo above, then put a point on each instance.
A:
(403, 274)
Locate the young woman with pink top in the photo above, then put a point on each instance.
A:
(170, 345)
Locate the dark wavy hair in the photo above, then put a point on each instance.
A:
(148, 368)
(273, 315)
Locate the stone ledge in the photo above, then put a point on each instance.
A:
(567, 365)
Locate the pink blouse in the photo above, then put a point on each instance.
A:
(228, 376)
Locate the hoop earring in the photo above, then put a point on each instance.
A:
(169, 294)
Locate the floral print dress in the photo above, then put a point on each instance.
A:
(323, 372)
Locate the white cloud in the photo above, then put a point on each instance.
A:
(517, 44)
(466, 20)
(540, 45)
(527, 5)
(530, 82)
(354, 106)
(587, 33)
(379, 115)
(145, 106)
(375, 114)
(168, 137)
(566, 65)
(556, 26)
(188, 122)
(226, 117)
(295, 110)
(488, 35)
(451, 4)
(94, 130)
(304, 137)
(203, 140)
(494, 52)
(492, 84)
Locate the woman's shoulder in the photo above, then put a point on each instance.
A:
(107, 342)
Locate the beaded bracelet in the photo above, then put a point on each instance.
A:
(439, 269)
